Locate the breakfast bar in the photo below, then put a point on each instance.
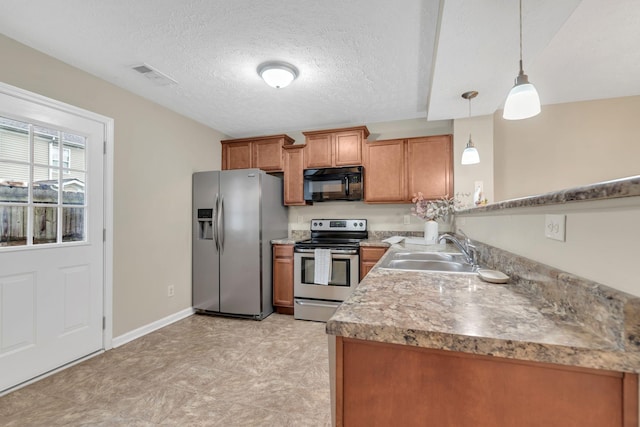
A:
(415, 346)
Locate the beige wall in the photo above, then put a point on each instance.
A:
(465, 177)
(565, 146)
(601, 238)
(156, 152)
(381, 217)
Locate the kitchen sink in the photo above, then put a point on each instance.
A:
(429, 256)
(429, 261)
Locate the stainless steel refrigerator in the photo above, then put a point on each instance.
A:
(236, 214)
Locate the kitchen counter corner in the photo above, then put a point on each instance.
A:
(460, 312)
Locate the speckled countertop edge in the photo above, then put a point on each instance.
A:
(405, 308)
(614, 189)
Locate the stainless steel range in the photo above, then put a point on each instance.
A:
(327, 267)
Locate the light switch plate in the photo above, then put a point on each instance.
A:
(407, 219)
(554, 227)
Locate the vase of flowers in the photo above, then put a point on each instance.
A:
(431, 211)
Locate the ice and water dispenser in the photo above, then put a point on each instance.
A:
(205, 223)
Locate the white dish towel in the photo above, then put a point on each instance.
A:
(322, 268)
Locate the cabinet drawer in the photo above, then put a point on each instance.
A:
(283, 251)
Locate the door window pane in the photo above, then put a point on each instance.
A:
(42, 180)
(14, 178)
(73, 189)
(13, 225)
(45, 225)
(74, 152)
(14, 140)
(45, 190)
(72, 224)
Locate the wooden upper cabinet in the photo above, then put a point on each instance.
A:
(396, 169)
(385, 171)
(293, 168)
(264, 152)
(318, 151)
(236, 155)
(430, 166)
(348, 148)
(334, 147)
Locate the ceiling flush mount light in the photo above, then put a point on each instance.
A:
(277, 74)
(470, 154)
(523, 100)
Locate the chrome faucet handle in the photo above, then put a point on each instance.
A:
(473, 253)
(466, 238)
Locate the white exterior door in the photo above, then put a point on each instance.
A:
(51, 236)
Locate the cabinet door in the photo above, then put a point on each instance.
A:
(348, 148)
(318, 151)
(384, 172)
(369, 256)
(293, 169)
(430, 167)
(283, 275)
(267, 155)
(236, 155)
(401, 385)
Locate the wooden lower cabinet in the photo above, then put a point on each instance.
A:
(369, 256)
(283, 278)
(380, 384)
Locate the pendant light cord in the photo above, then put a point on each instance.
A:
(521, 69)
(470, 143)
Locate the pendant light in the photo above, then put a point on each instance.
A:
(470, 154)
(277, 74)
(523, 100)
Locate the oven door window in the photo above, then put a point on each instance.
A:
(340, 271)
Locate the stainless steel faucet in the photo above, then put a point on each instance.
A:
(467, 249)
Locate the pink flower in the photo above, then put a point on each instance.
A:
(432, 210)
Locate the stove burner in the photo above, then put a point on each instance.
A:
(328, 243)
(335, 233)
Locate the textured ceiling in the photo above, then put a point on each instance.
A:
(360, 61)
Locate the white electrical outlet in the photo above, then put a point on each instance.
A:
(171, 291)
(407, 219)
(300, 219)
(554, 227)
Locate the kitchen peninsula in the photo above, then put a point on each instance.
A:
(549, 348)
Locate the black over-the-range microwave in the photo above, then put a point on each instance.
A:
(321, 185)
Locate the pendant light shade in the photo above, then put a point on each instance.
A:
(470, 155)
(277, 74)
(523, 100)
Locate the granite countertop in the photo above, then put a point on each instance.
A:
(614, 189)
(286, 241)
(460, 312)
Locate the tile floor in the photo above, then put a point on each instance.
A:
(200, 371)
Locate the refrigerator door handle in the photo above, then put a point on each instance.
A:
(215, 222)
(221, 221)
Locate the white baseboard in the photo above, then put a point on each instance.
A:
(153, 326)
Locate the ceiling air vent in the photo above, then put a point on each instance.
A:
(157, 77)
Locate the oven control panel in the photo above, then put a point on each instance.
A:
(338, 225)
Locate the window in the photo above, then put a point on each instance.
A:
(42, 200)
(54, 156)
